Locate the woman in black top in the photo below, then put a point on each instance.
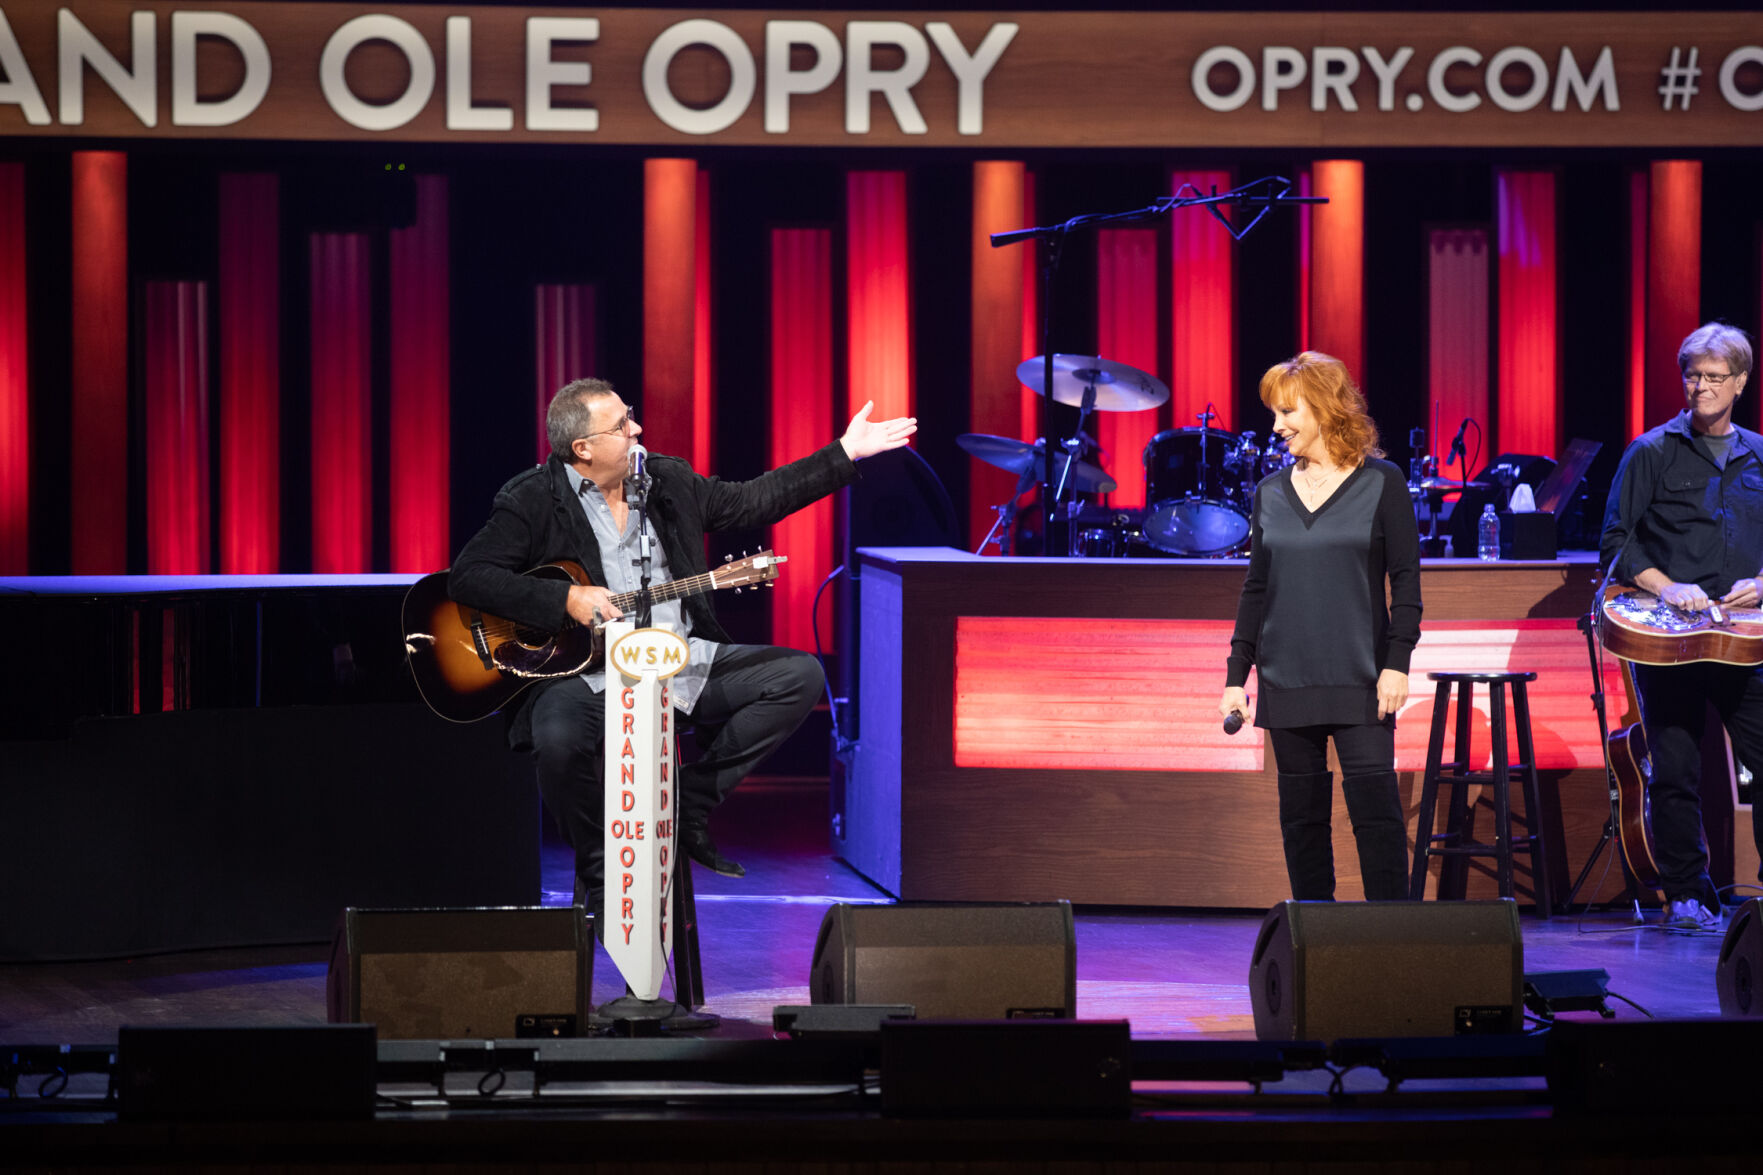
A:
(1332, 660)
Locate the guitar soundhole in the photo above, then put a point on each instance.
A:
(532, 638)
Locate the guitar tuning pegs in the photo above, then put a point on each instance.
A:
(737, 591)
(728, 558)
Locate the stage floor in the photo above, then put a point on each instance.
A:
(1172, 973)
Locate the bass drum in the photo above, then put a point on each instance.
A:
(1196, 493)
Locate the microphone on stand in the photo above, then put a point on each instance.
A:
(1457, 450)
(637, 466)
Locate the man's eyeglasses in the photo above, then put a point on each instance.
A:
(1692, 378)
(623, 426)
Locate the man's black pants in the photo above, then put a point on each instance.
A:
(1674, 713)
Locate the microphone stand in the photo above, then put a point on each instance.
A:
(636, 492)
(1263, 195)
(1589, 624)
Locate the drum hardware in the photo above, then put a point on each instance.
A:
(1091, 384)
(1029, 462)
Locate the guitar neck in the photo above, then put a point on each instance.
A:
(662, 593)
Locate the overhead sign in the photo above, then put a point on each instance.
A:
(419, 73)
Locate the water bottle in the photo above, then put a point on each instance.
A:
(1487, 535)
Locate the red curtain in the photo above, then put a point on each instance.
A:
(1457, 336)
(1529, 342)
(342, 418)
(248, 315)
(1674, 279)
(566, 345)
(703, 390)
(1202, 308)
(1306, 242)
(998, 329)
(176, 378)
(1126, 332)
(670, 296)
(878, 287)
(15, 400)
(1337, 265)
(100, 377)
(1028, 403)
(1637, 302)
(801, 421)
(421, 385)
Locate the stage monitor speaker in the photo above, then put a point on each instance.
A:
(1739, 972)
(986, 961)
(312, 1071)
(449, 974)
(1328, 970)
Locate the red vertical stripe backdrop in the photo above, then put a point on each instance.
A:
(1637, 303)
(1202, 308)
(100, 379)
(177, 428)
(1126, 332)
(878, 293)
(249, 321)
(1029, 404)
(421, 384)
(996, 319)
(1529, 408)
(1457, 335)
(801, 421)
(566, 345)
(1674, 279)
(342, 442)
(703, 390)
(1306, 240)
(15, 400)
(1337, 265)
(670, 218)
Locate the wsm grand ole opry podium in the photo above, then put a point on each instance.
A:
(1034, 729)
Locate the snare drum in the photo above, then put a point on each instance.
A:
(1196, 491)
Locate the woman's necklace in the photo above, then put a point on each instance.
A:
(1315, 481)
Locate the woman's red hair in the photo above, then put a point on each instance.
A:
(1335, 400)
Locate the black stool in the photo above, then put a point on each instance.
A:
(1456, 844)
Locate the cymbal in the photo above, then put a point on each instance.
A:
(1016, 456)
(1438, 485)
(1119, 387)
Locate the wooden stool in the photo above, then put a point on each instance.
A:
(1456, 843)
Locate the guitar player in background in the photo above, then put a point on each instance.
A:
(1685, 521)
(744, 700)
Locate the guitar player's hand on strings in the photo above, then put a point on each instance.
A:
(585, 600)
(1685, 596)
(1743, 594)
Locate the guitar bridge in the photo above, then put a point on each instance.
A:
(479, 641)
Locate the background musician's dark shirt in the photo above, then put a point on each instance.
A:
(1693, 520)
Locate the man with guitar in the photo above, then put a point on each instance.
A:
(1685, 523)
(744, 700)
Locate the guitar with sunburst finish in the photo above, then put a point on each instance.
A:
(468, 663)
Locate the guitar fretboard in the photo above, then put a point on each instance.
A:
(661, 593)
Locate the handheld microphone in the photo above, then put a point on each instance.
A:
(1233, 722)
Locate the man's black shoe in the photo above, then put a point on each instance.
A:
(696, 844)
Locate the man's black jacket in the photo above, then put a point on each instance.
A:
(536, 519)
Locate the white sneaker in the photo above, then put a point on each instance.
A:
(1689, 914)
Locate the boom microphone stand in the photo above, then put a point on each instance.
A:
(1259, 195)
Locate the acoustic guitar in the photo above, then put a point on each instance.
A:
(1633, 768)
(469, 663)
(1639, 626)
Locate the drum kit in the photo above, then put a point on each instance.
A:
(1198, 481)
